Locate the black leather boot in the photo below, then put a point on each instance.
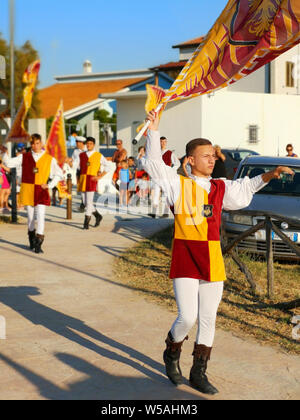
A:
(32, 238)
(98, 217)
(38, 244)
(171, 359)
(198, 378)
(86, 224)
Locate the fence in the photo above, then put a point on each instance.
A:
(269, 226)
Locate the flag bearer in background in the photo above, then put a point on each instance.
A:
(197, 266)
(37, 167)
(93, 166)
(171, 160)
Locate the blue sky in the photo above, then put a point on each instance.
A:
(113, 35)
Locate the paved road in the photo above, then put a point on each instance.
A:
(75, 332)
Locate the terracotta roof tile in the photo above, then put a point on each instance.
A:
(171, 65)
(77, 94)
(190, 43)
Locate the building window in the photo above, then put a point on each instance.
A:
(253, 134)
(289, 74)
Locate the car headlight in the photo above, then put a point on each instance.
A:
(241, 219)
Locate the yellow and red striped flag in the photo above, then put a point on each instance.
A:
(18, 133)
(56, 144)
(247, 35)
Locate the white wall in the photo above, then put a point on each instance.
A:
(227, 116)
(180, 122)
(224, 119)
(278, 72)
(254, 82)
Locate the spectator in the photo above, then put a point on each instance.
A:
(72, 139)
(141, 154)
(80, 148)
(124, 182)
(132, 171)
(290, 151)
(5, 189)
(119, 155)
(220, 169)
(144, 187)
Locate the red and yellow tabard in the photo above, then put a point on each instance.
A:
(89, 168)
(196, 249)
(35, 174)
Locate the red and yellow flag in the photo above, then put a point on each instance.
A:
(17, 132)
(56, 144)
(247, 35)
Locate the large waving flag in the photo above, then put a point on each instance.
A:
(18, 132)
(56, 146)
(247, 35)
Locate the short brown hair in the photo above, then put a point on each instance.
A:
(35, 137)
(193, 144)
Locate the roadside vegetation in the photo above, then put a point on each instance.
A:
(145, 269)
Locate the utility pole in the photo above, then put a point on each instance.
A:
(14, 212)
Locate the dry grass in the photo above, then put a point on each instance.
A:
(5, 219)
(145, 268)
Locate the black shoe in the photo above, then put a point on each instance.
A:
(164, 216)
(171, 358)
(98, 217)
(81, 208)
(32, 239)
(198, 378)
(38, 244)
(86, 224)
(152, 215)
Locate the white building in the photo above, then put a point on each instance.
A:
(260, 112)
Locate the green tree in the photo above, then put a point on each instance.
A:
(103, 116)
(24, 56)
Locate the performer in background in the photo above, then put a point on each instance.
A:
(197, 266)
(93, 166)
(37, 167)
(171, 160)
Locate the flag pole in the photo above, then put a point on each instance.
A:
(143, 130)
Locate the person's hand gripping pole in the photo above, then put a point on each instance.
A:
(147, 125)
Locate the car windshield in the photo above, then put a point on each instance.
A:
(287, 185)
(239, 155)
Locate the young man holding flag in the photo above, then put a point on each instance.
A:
(37, 167)
(197, 267)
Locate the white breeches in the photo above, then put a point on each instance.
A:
(196, 299)
(156, 195)
(37, 214)
(88, 201)
(156, 198)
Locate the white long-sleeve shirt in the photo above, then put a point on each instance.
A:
(238, 193)
(56, 173)
(103, 162)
